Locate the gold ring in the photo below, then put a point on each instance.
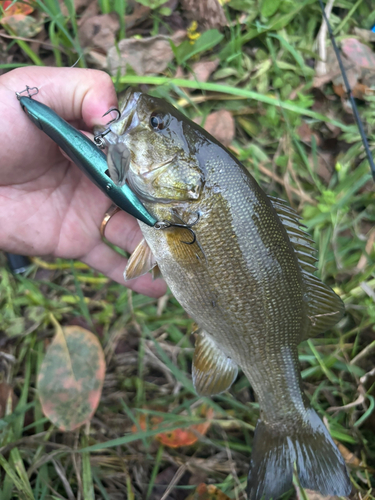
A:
(113, 209)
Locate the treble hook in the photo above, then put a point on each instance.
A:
(98, 139)
(165, 224)
(29, 94)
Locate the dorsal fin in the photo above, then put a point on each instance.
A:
(325, 308)
(300, 240)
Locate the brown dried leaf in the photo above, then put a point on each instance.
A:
(207, 492)
(146, 56)
(202, 70)
(359, 64)
(364, 35)
(314, 495)
(79, 6)
(305, 133)
(207, 13)
(99, 31)
(140, 13)
(221, 125)
(97, 60)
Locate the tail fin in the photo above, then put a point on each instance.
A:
(319, 463)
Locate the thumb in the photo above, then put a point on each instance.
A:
(73, 93)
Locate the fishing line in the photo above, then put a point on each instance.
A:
(51, 82)
(349, 92)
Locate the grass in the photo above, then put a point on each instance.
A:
(147, 342)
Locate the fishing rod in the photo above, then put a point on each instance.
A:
(349, 92)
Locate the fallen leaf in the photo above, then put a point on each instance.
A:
(208, 492)
(24, 26)
(99, 31)
(360, 54)
(97, 60)
(139, 14)
(8, 400)
(220, 124)
(366, 36)
(359, 63)
(314, 495)
(207, 13)
(185, 437)
(305, 133)
(71, 377)
(16, 16)
(202, 70)
(17, 8)
(145, 56)
(177, 437)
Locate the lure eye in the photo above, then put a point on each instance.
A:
(158, 121)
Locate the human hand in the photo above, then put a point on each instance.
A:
(47, 205)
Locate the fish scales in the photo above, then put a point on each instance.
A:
(231, 293)
(243, 281)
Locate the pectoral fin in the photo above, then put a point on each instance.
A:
(140, 262)
(156, 273)
(213, 371)
(118, 161)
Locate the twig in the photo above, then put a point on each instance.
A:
(363, 353)
(179, 473)
(361, 398)
(279, 180)
(32, 40)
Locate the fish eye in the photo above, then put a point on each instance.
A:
(158, 120)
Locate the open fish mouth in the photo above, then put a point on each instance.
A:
(128, 119)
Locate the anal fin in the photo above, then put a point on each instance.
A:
(213, 371)
(140, 262)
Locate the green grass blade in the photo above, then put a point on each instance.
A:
(226, 89)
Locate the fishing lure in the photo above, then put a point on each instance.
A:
(84, 153)
(90, 159)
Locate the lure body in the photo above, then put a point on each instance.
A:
(86, 155)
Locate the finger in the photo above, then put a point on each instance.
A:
(107, 261)
(74, 93)
(123, 231)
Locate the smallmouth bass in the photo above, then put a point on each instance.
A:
(245, 276)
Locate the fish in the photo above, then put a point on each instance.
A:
(242, 266)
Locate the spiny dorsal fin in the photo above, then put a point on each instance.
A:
(212, 372)
(300, 240)
(140, 262)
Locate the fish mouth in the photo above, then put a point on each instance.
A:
(128, 119)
